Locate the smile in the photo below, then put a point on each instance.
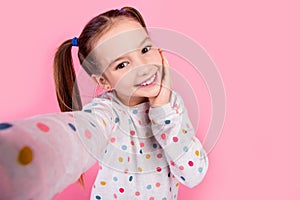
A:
(148, 81)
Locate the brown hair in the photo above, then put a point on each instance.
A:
(67, 91)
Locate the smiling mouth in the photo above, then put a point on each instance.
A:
(149, 81)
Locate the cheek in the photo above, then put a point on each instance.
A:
(153, 57)
(124, 80)
(113, 79)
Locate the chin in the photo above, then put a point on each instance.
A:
(151, 92)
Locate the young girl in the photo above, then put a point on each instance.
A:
(138, 130)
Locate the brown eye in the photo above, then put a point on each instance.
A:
(146, 49)
(121, 65)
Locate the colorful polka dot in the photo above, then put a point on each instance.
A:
(103, 122)
(197, 152)
(115, 178)
(88, 110)
(103, 183)
(159, 155)
(141, 151)
(72, 126)
(112, 140)
(149, 187)
(120, 159)
(132, 142)
(43, 127)
(115, 196)
(142, 144)
(25, 156)
(177, 184)
(154, 146)
(121, 190)
(191, 163)
(181, 167)
(184, 131)
(87, 134)
(167, 121)
(175, 139)
(92, 124)
(163, 136)
(137, 193)
(185, 149)
(164, 198)
(117, 119)
(158, 169)
(140, 122)
(157, 184)
(182, 178)
(124, 147)
(98, 197)
(134, 111)
(200, 169)
(172, 163)
(132, 132)
(130, 178)
(140, 169)
(151, 198)
(148, 156)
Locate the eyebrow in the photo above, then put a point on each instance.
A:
(120, 58)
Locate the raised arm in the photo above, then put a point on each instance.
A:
(42, 155)
(173, 130)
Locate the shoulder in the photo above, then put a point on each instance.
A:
(102, 102)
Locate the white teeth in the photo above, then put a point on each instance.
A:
(149, 81)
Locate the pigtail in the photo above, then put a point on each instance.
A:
(67, 91)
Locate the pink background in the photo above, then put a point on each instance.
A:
(255, 46)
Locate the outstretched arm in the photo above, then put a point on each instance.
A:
(42, 155)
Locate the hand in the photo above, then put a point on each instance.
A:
(164, 94)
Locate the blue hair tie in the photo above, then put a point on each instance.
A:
(121, 11)
(75, 42)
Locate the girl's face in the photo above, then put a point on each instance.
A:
(130, 62)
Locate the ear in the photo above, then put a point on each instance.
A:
(101, 81)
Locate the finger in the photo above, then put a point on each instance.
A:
(166, 82)
(164, 59)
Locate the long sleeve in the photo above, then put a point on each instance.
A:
(42, 155)
(173, 130)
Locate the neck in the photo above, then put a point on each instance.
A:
(130, 100)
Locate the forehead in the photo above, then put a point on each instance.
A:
(123, 37)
